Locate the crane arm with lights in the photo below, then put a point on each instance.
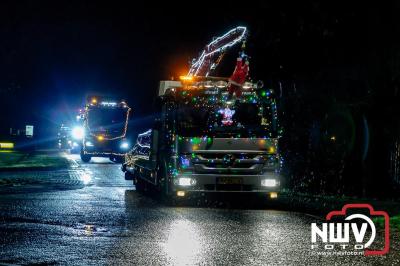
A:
(212, 54)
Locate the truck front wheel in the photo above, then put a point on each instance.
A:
(139, 184)
(85, 157)
(129, 176)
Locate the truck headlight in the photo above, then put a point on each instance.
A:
(124, 145)
(89, 144)
(186, 181)
(269, 183)
(78, 133)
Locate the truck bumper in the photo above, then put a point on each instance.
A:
(227, 183)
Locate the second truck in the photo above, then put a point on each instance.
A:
(104, 131)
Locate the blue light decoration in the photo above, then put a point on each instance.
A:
(227, 115)
(185, 162)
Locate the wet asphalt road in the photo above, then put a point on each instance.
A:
(102, 220)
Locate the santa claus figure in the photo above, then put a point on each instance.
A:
(238, 77)
(227, 115)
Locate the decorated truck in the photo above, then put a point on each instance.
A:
(105, 126)
(211, 134)
(202, 142)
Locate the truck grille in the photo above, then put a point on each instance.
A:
(228, 163)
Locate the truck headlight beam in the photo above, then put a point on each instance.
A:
(124, 145)
(78, 133)
(186, 181)
(89, 144)
(269, 183)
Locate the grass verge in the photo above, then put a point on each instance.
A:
(16, 160)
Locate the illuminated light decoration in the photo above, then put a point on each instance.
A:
(140, 136)
(221, 84)
(130, 157)
(114, 138)
(6, 145)
(86, 124)
(271, 149)
(186, 78)
(195, 141)
(195, 147)
(113, 104)
(227, 115)
(247, 86)
(208, 84)
(204, 63)
(185, 162)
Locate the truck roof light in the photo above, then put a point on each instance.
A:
(108, 103)
(186, 78)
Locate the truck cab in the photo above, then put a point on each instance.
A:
(105, 126)
(205, 141)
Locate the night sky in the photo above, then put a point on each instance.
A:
(52, 54)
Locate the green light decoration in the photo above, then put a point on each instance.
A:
(195, 141)
(215, 99)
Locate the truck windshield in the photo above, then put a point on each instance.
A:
(220, 119)
(111, 120)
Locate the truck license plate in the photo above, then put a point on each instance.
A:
(230, 180)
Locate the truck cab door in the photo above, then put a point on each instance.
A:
(154, 149)
(154, 146)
